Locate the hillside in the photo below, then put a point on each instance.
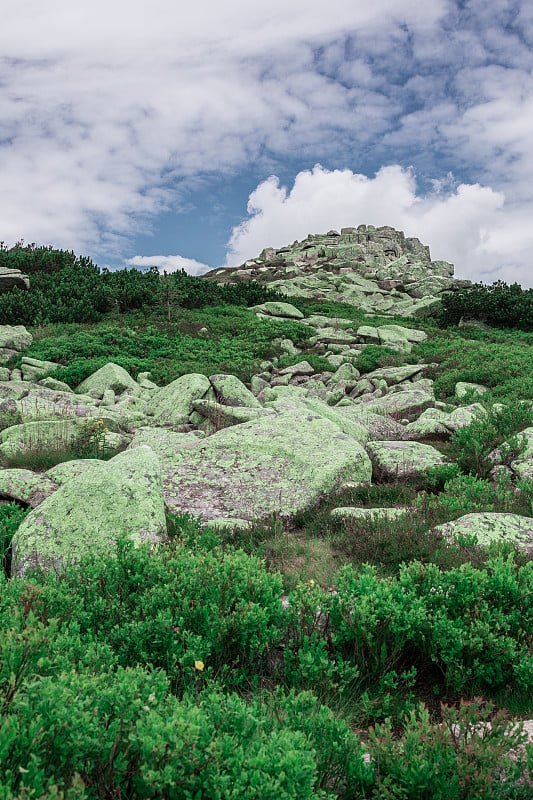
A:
(268, 533)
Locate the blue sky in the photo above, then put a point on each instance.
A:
(196, 134)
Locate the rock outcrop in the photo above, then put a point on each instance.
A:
(377, 269)
(12, 277)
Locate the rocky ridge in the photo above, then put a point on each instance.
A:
(376, 269)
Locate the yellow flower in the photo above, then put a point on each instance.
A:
(199, 665)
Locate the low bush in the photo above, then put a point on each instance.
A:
(11, 516)
(467, 757)
(500, 360)
(502, 305)
(170, 610)
(123, 734)
(472, 626)
(472, 444)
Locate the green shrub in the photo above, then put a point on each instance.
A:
(500, 360)
(464, 758)
(173, 608)
(502, 305)
(122, 734)
(473, 625)
(472, 444)
(236, 343)
(11, 516)
(65, 288)
(372, 357)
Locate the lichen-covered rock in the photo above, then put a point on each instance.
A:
(408, 404)
(10, 277)
(394, 375)
(25, 486)
(222, 416)
(86, 516)
(13, 339)
(276, 464)
(302, 368)
(232, 392)
(172, 404)
(110, 376)
(379, 427)
(402, 460)
(492, 527)
(368, 514)
(375, 269)
(37, 436)
(277, 309)
(462, 389)
(388, 333)
(430, 424)
(33, 369)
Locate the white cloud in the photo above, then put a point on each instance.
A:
(469, 225)
(169, 264)
(109, 110)
(110, 113)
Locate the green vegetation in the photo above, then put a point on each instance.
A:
(501, 305)
(235, 342)
(501, 360)
(68, 289)
(222, 664)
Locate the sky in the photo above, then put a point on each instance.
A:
(193, 135)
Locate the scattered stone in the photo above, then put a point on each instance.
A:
(232, 392)
(370, 514)
(275, 309)
(171, 405)
(27, 487)
(33, 369)
(301, 368)
(222, 416)
(409, 403)
(10, 277)
(110, 376)
(38, 436)
(462, 389)
(13, 339)
(402, 460)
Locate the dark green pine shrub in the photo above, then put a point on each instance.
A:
(501, 305)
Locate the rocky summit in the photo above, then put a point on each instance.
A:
(376, 269)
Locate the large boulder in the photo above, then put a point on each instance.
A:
(10, 277)
(402, 460)
(33, 369)
(88, 513)
(278, 464)
(232, 392)
(39, 436)
(409, 403)
(277, 309)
